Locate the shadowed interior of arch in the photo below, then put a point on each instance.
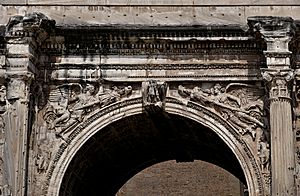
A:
(123, 148)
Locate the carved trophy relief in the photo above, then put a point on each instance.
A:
(68, 104)
(4, 188)
(154, 94)
(240, 104)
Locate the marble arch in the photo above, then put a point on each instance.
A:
(69, 70)
(129, 107)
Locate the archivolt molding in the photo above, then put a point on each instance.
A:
(244, 150)
(115, 111)
(80, 134)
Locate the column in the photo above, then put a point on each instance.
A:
(277, 33)
(24, 35)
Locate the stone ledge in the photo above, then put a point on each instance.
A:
(152, 2)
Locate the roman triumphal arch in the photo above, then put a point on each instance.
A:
(84, 107)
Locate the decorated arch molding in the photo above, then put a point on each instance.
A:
(257, 181)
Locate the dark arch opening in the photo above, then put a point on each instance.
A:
(122, 149)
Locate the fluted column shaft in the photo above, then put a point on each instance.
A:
(282, 135)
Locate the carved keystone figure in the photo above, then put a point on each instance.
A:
(154, 93)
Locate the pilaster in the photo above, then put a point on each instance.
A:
(277, 32)
(23, 36)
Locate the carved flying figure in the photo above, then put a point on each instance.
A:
(68, 106)
(107, 97)
(58, 111)
(240, 104)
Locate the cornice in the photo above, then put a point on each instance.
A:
(160, 66)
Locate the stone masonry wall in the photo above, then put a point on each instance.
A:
(192, 178)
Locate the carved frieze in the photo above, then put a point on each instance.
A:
(240, 104)
(68, 104)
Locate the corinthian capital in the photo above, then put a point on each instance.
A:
(276, 31)
(278, 82)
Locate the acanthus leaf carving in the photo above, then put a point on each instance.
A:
(68, 104)
(240, 104)
(278, 82)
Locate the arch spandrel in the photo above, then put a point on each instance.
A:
(244, 146)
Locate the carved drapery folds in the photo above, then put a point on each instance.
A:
(240, 104)
(69, 103)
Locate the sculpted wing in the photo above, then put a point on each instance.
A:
(247, 93)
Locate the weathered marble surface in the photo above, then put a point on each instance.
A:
(155, 2)
(160, 13)
(62, 83)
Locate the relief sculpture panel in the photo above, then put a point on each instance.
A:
(240, 104)
(68, 104)
(243, 107)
